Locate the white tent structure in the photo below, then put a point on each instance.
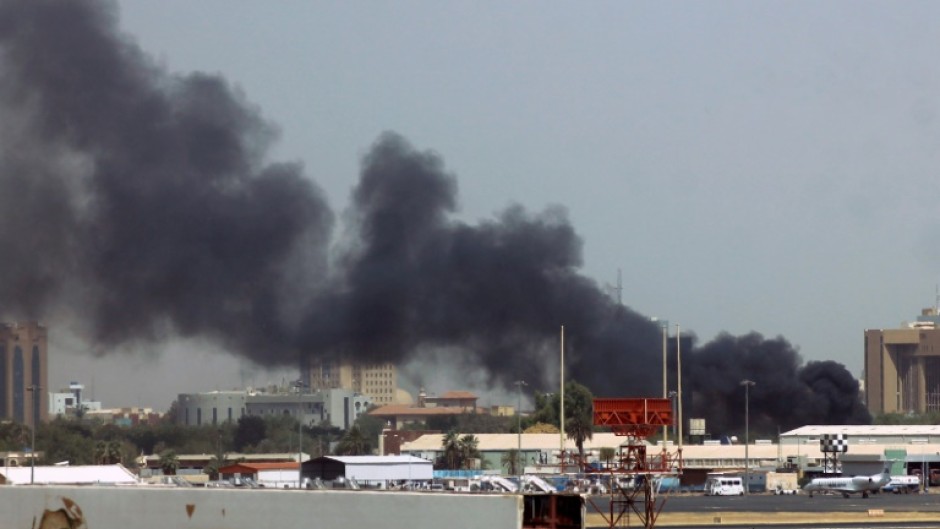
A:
(373, 470)
(67, 475)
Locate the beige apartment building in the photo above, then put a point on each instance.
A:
(902, 366)
(379, 381)
(24, 373)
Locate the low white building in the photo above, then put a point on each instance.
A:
(68, 475)
(284, 475)
(369, 470)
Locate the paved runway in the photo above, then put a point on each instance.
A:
(883, 510)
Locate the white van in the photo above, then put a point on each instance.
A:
(724, 486)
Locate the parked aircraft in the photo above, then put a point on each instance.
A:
(850, 485)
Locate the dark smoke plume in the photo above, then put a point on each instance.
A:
(139, 197)
(140, 204)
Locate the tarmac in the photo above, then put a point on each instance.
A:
(798, 519)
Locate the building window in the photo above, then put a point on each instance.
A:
(3, 380)
(19, 386)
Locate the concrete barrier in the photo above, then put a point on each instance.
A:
(29, 507)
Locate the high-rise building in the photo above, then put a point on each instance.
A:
(902, 366)
(379, 381)
(24, 372)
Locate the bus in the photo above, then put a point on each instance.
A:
(724, 486)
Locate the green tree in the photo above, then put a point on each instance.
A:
(370, 426)
(607, 453)
(109, 452)
(450, 446)
(510, 460)
(546, 409)
(579, 415)
(62, 440)
(14, 436)
(249, 432)
(169, 462)
(468, 447)
(353, 443)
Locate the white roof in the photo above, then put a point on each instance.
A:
(871, 430)
(66, 475)
(530, 441)
(379, 460)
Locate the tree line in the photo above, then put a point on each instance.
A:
(84, 441)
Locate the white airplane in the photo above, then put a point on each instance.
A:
(850, 485)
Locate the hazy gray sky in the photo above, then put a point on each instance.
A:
(766, 166)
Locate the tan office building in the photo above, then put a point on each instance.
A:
(902, 366)
(379, 381)
(24, 373)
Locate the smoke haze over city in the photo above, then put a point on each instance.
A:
(143, 204)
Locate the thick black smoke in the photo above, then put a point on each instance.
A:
(140, 203)
(139, 197)
(785, 394)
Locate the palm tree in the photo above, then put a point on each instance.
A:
(353, 443)
(579, 425)
(510, 460)
(169, 462)
(450, 447)
(468, 448)
(109, 452)
(607, 453)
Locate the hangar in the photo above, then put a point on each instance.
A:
(376, 471)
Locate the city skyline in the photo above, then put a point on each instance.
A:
(744, 166)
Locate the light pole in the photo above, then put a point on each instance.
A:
(675, 422)
(300, 432)
(747, 418)
(519, 384)
(34, 389)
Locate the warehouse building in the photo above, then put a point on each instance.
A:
(369, 471)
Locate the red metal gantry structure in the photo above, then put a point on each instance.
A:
(633, 479)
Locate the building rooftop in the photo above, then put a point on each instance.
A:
(457, 395)
(68, 475)
(394, 410)
(870, 430)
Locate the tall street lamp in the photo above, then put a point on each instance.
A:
(747, 418)
(519, 384)
(300, 432)
(34, 389)
(675, 422)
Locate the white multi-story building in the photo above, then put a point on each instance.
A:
(71, 401)
(340, 407)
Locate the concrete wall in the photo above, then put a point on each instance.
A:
(190, 508)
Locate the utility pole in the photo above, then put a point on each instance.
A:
(34, 389)
(519, 459)
(300, 433)
(747, 414)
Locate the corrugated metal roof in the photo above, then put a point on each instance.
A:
(393, 410)
(66, 475)
(378, 460)
(875, 430)
(530, 441)
(259, 466)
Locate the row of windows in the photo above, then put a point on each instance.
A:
(19, 382)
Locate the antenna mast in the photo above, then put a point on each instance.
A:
(616, 291)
